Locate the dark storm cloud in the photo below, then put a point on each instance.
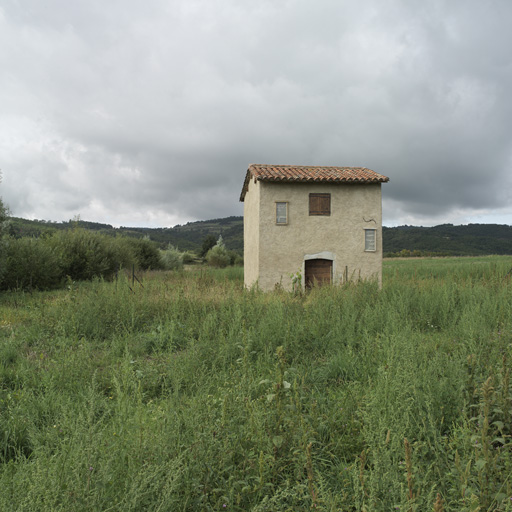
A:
(149, 114)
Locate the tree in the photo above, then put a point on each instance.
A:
(209, 242)
(3, 230)
(3, 217)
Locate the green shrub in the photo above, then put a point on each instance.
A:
(218, 256)
(189, 257)
(78, 254)
(85, 255)
(146, 254)
(122, 251)
(171, 258)
(31, 263)
(235, 258)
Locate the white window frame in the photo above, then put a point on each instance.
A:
(279, 222)
(370, 245)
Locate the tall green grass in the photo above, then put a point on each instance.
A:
(187, 392)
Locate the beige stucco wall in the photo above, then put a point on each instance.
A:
(278, 251)
(251, 233)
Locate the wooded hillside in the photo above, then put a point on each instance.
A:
(446, 239)
(188, 237)
(449, 240)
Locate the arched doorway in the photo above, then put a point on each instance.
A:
(317, 272)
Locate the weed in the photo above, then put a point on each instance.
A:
(191, 393)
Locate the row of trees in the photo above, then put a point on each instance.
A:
(77, 254)
(80, 254)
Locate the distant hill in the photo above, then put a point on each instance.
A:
(443, 240)
(449, 240)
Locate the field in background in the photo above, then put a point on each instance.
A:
(187, 393)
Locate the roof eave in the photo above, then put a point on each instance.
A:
(319, 180)
(279, 179)
(246, 185)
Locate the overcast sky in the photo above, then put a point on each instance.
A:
(148, 113)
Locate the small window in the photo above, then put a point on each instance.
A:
(319, 204)
(281, 213)
(370, 237)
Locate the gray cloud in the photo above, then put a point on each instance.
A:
(148, 114)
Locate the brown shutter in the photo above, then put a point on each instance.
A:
(319, 204)
(318, 271)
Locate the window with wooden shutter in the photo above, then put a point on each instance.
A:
(319, 204)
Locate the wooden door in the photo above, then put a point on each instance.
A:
(318, 272)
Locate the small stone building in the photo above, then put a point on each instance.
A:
(306, 225)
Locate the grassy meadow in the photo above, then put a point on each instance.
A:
(188, 393)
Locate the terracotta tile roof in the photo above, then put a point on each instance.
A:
(312, 174)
